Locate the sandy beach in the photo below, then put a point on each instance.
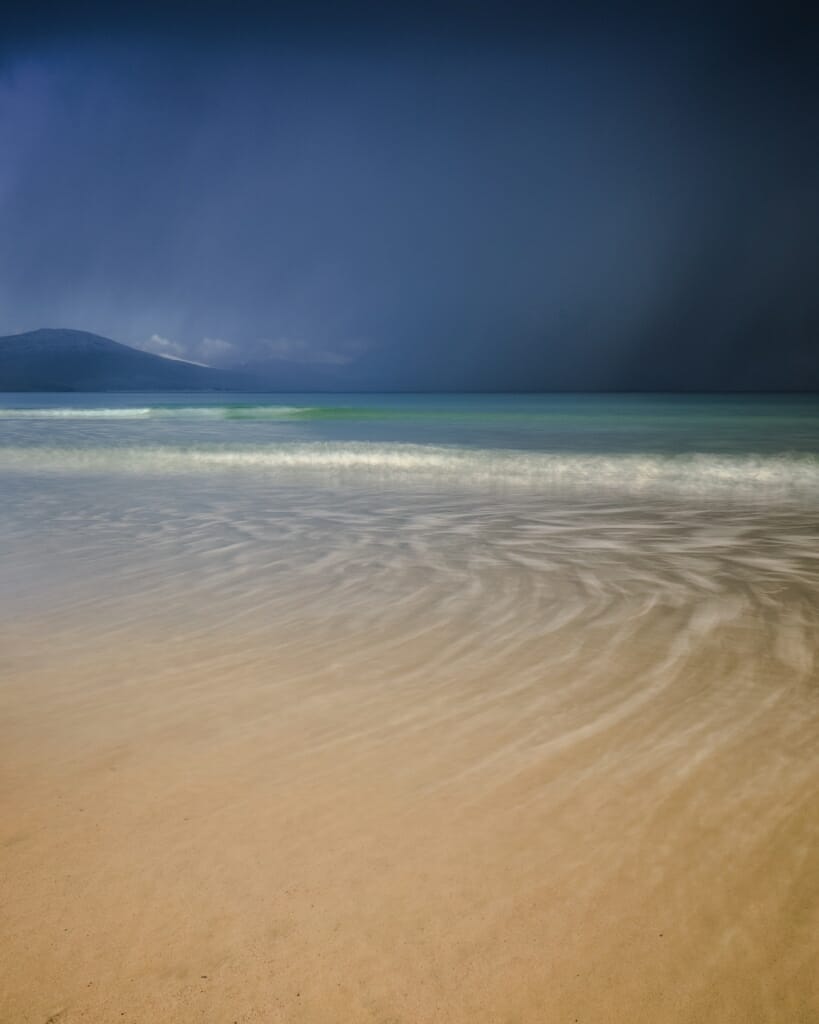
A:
(489, 795)
(409, 513)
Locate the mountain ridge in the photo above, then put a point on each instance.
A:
(69, 360)
(63, 359)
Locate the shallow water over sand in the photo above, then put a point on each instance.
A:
(310, 744)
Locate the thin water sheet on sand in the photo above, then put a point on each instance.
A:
(317, 754)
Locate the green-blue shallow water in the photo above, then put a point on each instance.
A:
(760, 446)
(604, 423)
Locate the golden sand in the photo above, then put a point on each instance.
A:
(235, 825)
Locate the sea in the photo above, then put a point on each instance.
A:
(426, 707)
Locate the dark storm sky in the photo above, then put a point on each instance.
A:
(419, 198)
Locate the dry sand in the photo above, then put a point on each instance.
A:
(231, 825)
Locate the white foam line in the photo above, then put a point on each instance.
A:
(691, 475)
(157, 412)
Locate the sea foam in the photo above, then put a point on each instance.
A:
(192, 412)
(764, 477)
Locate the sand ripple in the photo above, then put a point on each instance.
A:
(364, 754)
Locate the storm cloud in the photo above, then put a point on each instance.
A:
(559, 203)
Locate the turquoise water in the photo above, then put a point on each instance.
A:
(622, 423)
(765, 446)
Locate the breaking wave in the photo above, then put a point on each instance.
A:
(182, 412)
(764, 477)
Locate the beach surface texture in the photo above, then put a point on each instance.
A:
(394, 711)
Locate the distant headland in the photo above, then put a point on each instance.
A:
(62, 360)
(66, 360)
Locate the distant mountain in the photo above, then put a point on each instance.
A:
(63, 360)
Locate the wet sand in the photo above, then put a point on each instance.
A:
(542, 773)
